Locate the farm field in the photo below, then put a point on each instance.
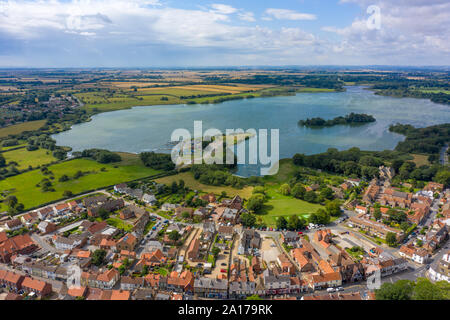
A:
(420, 160)
(23, 186)
(21, 127)
(25, 158)
(189, 180)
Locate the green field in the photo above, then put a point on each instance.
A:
(307, 89)
(120, 224)
(23, 186)
(21, 127)
(190, 182)
(280, 205)
(26, 158)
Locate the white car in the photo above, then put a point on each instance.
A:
(331, 290)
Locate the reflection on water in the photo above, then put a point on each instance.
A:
(149, 128)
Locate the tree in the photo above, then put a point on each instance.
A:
(258, 189)
(400, 290)
(174, 235)
(64, 178)
(11, 201)
(377, 213)
(181, 184)
(98, 257)
(333, 208)
(295, 223)
(443, 177)
(319, 217)
(310, 196)
(215, 252)
(285, 189)
(327, 193)
(404, 226)
(185, 215)
(248, 220)
(104, 214)
(174, 187)
(426, 290)
(281, 223)
(67, 194)
(391, 239)
(298, 191)
(255, 203)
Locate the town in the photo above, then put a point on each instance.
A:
(133, 242)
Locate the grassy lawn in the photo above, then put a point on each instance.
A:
(119, 223)
(26, 158)
(24, 187)
(21, 127)
(189, 180)
(420, 160)
(307, 89)
(279, 205)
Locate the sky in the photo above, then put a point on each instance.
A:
(203, 33)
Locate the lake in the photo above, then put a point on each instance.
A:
(149, 128)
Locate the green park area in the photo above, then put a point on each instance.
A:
(25, 158)
(94, 175)
(21, 127)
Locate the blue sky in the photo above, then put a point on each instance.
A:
(172, 33)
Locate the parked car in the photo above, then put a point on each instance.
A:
(331, 290)
(223, 264)
(223, 270)
(340, 289)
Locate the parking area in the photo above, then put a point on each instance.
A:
(269, 250)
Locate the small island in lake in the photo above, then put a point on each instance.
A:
(350, 119)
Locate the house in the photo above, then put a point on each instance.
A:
(421, 256)
(434, 187)
(371, 194)
(120, 295)
(127, 242)
(193, 250)
(131, 211)
(373, 227)
(250, 240)
(201, 212)
(40, 288)
(181, 282)
(175, 227)
(169, 206)
(235, 203)
(440, 272)
(226, 232)
(361, 210)
(289, 237)
(11, 280)
(209, 197)
(107, 244)
(151, 259)
(131, 283)
(285, 264)
(120, 188)
(44, 212)
(3, 236)
(107, 205)
(73, 241)
(21, 244)
(211, 288)
(149, 199)
(407, 251)
(276, 284)
(30, 218)
(320, 280)
(104, 280)
(323, 237)
(135, 193)
(180, 210)
(141, 222)
(14, 224)
(95, 200)
(209, 230)
(229, 215)
(46, 227)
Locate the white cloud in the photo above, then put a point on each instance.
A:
(223, 8)
(247, 16)
(285, 14)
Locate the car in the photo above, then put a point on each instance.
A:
(300, 232)
(223, 270)
(225, 252)
(199, 264)
(223, 264)
(331, 290)
(340, 289)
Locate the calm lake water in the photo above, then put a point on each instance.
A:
(149, 128)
